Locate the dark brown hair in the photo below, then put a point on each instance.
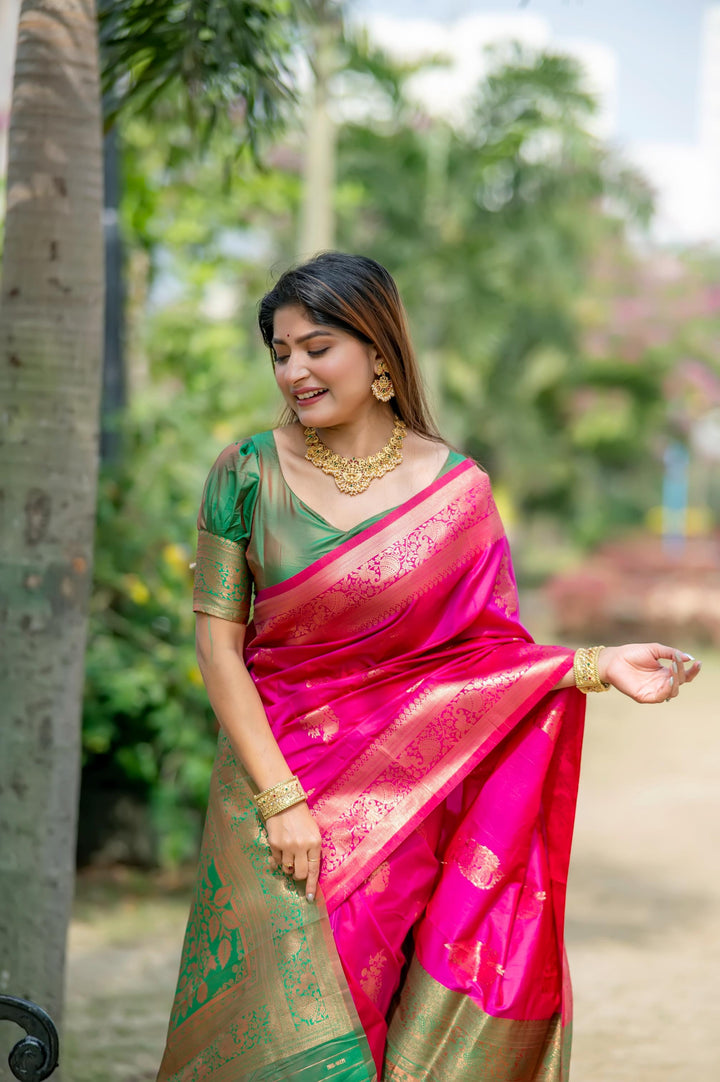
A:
(357, 295)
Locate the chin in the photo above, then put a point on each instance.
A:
(315, 417)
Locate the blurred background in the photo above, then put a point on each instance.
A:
(542, 180)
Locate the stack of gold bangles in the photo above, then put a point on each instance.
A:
(585, 669)
(280, 797)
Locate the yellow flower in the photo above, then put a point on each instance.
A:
(137, 590)
(223, 431)
(195, 676)
(505, 506)
(176, 557)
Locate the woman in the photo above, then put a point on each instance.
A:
(396, 754)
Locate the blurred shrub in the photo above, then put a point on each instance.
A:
(147, 726)
(641, 589)
(550, 342)
(197, 248)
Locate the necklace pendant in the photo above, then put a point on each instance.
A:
(353, 475)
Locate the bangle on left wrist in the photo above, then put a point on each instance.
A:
(586, 671)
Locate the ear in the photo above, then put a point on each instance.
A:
(378, 363)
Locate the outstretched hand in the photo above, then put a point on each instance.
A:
(637, 670)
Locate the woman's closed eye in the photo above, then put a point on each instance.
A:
(280, 358)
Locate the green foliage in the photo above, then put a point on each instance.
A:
(199, 379)
(222, 60)
(490, 229)
(507, 236)
(147, 724)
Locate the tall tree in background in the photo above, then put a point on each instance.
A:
(50, 353)
(490, 228)
(218, 58)
(317, 221)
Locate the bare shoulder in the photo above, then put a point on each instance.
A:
(426, 452)
(290, 440)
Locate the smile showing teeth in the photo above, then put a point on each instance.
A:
(308, 394)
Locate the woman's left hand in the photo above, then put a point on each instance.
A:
(637, 670)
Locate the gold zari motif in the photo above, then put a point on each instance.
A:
(439, 1035)
(478, 864)
(223, 586)
(261, 987)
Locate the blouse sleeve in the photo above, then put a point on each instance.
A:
(223, 583)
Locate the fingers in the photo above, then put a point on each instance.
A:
(693, 668)
(662, 652)
(300, 870)
(679, 674)
(295, 846)
(288, 863)
(301, 865)
(313, 875)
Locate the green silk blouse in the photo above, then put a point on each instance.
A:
(254, 532)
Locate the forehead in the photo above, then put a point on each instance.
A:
(291, 321)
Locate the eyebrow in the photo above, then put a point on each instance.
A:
(304, 337)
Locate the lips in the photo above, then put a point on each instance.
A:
(311, 395)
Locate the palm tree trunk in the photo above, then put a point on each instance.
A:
(50, 368)
(317, 221)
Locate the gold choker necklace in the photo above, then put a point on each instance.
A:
(353, 475)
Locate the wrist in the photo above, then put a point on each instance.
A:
(280, 797)
(589, 676)
(604, 663)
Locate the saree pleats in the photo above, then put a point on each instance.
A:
(370, 927)
(442, 772)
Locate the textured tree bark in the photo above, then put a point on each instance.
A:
(50, 369)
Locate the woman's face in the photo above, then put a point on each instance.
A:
(324, 374)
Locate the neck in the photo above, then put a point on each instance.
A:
(359, 439)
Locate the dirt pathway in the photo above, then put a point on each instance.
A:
(643, 915)
(644, 905)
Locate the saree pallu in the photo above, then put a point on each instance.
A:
(440, 766)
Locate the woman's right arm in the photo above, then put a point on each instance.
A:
(293, 834)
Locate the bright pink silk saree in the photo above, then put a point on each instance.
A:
(442, 771)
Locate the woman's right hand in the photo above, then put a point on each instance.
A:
(295, 845)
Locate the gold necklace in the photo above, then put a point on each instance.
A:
(353, 475)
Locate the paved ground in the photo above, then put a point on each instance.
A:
(643, 914)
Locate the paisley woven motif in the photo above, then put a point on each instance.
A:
(474, 961)
(477, 863)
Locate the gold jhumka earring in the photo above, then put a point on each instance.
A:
(382, 386)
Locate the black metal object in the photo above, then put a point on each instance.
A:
(35, 1056)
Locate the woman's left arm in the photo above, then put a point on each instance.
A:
(637, 670)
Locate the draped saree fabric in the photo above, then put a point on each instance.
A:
(442, 771)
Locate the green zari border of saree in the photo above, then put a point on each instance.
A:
(261, 995)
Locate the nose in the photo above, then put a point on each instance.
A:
(296, 367)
